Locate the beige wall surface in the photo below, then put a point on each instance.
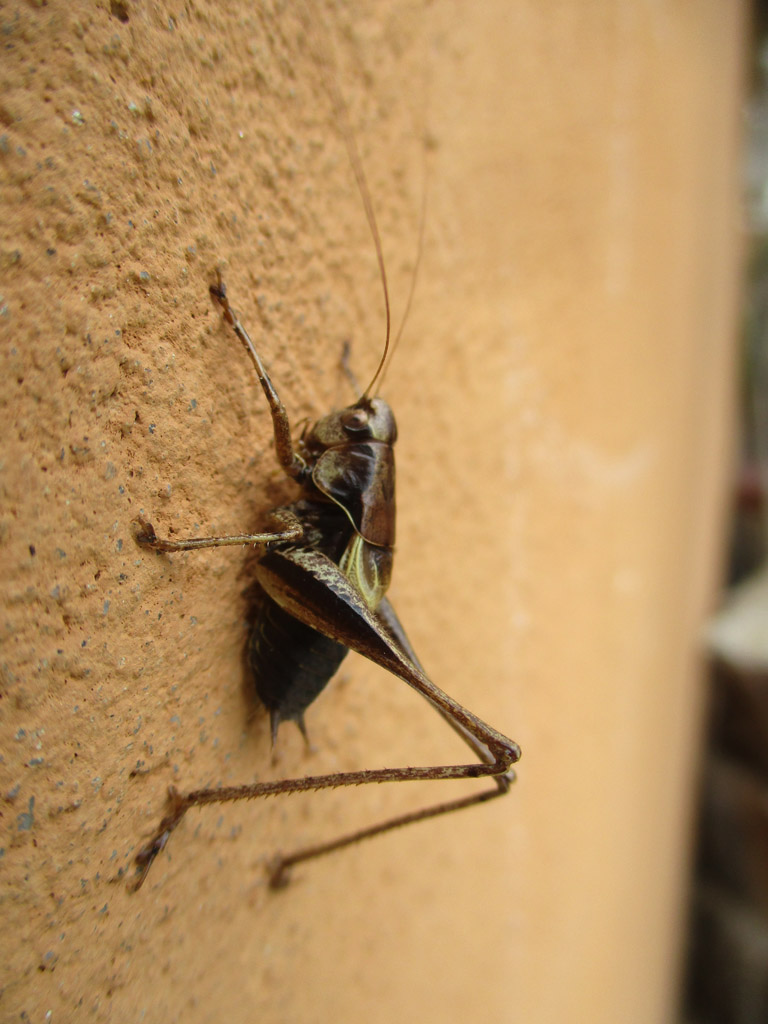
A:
(563, 393)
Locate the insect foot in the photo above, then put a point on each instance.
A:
(145, 534)
(146, 855)
(279, 872)
(219, 290)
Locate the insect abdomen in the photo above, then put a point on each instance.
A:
(291, 663)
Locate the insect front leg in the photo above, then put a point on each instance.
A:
(292, 463)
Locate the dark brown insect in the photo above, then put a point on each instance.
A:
(324, 572)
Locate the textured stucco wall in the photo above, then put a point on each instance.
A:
(563, 394)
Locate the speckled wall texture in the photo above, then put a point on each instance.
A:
(563, 392)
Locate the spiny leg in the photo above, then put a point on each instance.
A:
(281, 864)
(313, 589)
(182, 802)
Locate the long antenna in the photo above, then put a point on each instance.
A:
(414, 275)
(342, 115)
(365, 195)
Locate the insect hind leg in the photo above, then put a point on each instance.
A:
(281, 865)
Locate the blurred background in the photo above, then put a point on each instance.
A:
(727, 961)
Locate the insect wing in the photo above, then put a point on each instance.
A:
(360, 478)
(312, 588)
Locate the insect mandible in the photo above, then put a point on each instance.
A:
(324, 571)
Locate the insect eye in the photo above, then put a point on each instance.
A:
(355, 421)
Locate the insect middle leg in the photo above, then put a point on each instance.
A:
(292, 530)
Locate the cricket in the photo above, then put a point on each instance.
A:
(323, 570)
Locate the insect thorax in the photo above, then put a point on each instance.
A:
(291, 663)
